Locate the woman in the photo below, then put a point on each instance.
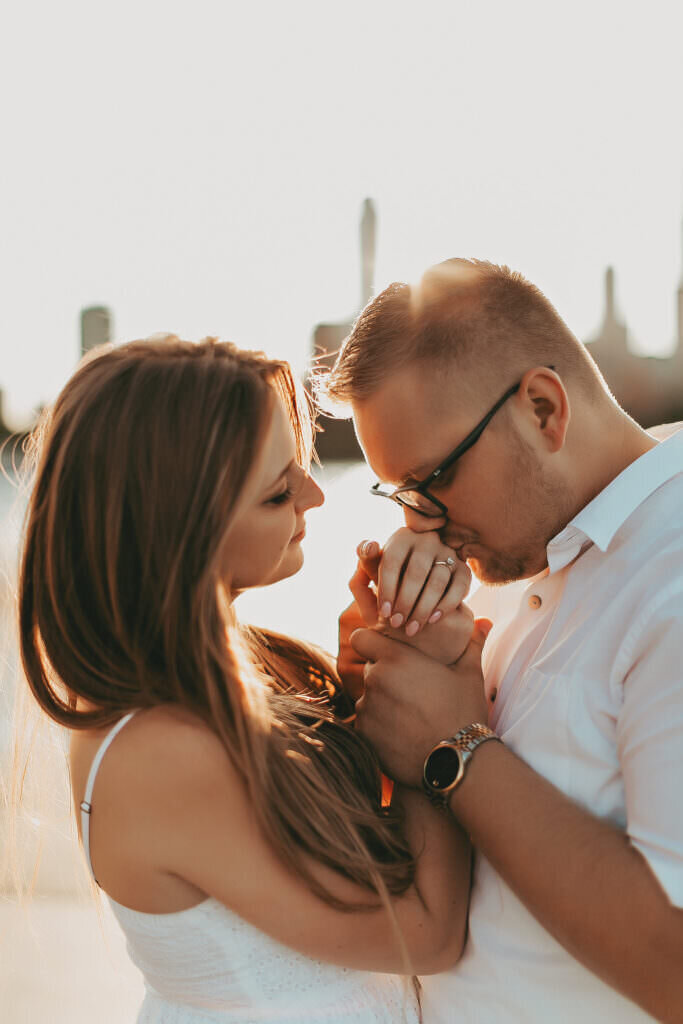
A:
(228, 809)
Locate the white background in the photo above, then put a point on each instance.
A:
(200, 167)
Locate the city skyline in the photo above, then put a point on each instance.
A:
(213, 186)
(643, 384)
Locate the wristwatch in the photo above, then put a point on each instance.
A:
(446, 764)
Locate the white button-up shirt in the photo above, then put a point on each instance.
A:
(584, 676)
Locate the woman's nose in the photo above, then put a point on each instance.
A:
(311, 495)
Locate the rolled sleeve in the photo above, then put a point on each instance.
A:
(650, 743)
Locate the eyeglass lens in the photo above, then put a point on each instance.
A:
(420, 502)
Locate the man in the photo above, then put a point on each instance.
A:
(489, 422)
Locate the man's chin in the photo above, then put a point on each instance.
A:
(495, 572)
(481, 570)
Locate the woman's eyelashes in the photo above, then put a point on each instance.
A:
(282, 498)
(295, 481)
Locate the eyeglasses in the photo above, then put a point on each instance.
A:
(416, 496)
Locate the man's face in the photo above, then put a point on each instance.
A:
(504, 503)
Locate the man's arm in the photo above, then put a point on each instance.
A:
(582, 878)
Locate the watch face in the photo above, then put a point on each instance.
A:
(442, 767)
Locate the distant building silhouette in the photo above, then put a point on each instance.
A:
(649, 388)
(95, 327)
(4, 430)
(337, 439)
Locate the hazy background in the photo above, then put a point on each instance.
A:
(200, 168)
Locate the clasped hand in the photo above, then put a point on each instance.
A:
(415, 686)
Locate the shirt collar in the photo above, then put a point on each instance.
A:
(599, 520)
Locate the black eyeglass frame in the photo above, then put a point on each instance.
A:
(422, 485)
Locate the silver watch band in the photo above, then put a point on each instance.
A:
(465, 742)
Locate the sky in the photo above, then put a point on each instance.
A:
(200, 168)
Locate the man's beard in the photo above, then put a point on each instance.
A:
(553, 507)
(500, 568)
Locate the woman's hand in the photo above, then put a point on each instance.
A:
(416, 579)
(350, 665)
(438, 606)
(444, 641)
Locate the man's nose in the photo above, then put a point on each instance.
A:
(422, 524)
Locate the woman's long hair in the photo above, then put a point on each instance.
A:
(139, 468)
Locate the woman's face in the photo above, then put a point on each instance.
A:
(264, 542)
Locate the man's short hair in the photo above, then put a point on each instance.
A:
(488, 320)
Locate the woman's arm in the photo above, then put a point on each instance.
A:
(178, 805)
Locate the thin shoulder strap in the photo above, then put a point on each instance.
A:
(86, 805)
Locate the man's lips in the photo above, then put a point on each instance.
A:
(464, 550)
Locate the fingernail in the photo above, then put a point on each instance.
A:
(365, 548)
(396, 620)
(412, 628)
(385, 610)
(435, 617)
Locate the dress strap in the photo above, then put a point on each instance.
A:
(86, 805)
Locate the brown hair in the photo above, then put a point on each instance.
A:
(122, 602)
(489, 319)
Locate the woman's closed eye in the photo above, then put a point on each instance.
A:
(294, 481)
(281, 498)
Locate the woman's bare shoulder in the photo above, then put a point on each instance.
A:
(161, 753)
(161, 762)
(171, 743)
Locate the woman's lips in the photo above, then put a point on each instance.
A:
(299, 536)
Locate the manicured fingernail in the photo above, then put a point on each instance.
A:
(385, 610)
(435, 617)
(396, 620)
(412, 628)
(365, 548)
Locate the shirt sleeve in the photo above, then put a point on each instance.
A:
(650, 742)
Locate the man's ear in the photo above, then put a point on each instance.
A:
(548, 406)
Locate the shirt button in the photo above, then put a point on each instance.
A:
(494, 694)
(535, 602)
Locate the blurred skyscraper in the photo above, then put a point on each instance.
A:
(95, 327)
(337, 440)
(650, 388)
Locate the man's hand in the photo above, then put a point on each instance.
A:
(350, 665)
(411, 702)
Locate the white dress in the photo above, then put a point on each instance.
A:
(207, 964)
